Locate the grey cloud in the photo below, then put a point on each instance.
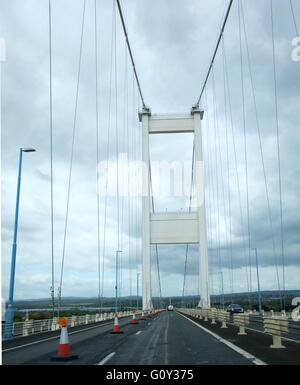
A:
(172, 43)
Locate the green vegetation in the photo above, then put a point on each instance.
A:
(42, 308)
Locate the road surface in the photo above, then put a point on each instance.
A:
(166, 339)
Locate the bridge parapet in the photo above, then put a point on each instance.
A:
(223, 316)
(55, 324)
(29, 327)
(213, 315)
(278, 325)
(241, 320)
(275, 326)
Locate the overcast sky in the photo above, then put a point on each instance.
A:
(172, 43)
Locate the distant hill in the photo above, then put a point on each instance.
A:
(242, 298)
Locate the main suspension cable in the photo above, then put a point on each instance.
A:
(130, 51)
(215, 51)
(294, 18)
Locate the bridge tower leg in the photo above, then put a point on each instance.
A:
(180, 227)
(203, 254)
(146, 254)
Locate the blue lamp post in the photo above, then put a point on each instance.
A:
(8, 332)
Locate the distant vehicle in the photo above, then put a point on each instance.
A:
(234, 308)
(170, 308)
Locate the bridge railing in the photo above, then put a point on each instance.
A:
(278, 325)
(29, 327)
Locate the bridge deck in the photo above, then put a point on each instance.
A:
(167, 339)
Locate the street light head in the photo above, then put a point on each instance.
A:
(28, 150)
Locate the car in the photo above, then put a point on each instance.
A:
(170, 308)
(235, 308)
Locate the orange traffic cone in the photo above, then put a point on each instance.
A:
(133, 318)
(64, 353)
(116, 329)
(143, 316)
(149, 313)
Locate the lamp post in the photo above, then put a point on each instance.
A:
(258, 284)
(10, 311)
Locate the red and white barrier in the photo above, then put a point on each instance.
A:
(64, 352)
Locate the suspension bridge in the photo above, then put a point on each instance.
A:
(205, 221)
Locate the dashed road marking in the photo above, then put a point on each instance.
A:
(107, 358)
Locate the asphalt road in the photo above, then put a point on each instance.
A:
(166, 339)
(256, 343)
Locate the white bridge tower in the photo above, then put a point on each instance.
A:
(179, 227)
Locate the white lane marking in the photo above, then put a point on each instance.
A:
(139, 332)
(243, 352)
(166, 342)
(53, 338)
(107, 358)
